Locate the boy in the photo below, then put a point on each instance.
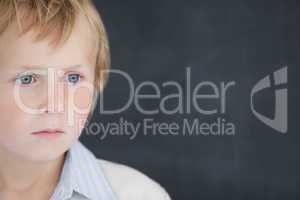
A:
(51, 52)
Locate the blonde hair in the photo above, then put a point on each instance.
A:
(57, 18)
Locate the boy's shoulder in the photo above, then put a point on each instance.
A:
(130, 184)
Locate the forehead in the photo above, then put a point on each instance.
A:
(17, 50)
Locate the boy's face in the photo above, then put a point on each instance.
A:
(25, 85)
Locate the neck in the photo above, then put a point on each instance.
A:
(21, 176)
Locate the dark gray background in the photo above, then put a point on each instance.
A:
(242, 40)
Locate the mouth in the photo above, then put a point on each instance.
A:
(48, 133)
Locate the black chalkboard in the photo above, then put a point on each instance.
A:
(218, 44)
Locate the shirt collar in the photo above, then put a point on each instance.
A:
(83, 174)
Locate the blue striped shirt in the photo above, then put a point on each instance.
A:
(82, 178)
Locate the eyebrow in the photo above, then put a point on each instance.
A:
(41, 67)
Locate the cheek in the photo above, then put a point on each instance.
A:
(80, 104)
(9, 114)
(11, 120)
(30, 98)
(82, 99)
(21, 99)
(9, 109)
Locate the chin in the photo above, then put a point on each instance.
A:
(39, 153)
(44, 156)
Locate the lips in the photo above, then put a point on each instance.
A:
(49, 131)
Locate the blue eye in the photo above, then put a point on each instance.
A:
(74, 78)
(26, 79)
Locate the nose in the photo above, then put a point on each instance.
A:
(47, 102)
(52, 98)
